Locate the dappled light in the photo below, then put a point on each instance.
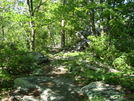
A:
(67, 50)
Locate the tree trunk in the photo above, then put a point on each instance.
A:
(108, 19)
(2, 31)
(92, 25)
(31, 12)
(63, 29)
(101, 19)
(32, 41)
(63, 34)
(2, 28)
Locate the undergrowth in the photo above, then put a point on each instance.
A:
(117, 54)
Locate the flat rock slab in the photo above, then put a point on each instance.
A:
(41, 88)
(100, 91)
(38, 57)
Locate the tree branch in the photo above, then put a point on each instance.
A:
(106, 67)
(49, 22)
(36, 9)
(93, 68)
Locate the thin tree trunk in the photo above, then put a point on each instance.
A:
(52, 39)
(2, 31)
(32, 41)
(63, 34)
(92, 25)
(108, 19)
(101, 20)
(63, 29)
(62, 38)
(31, 12)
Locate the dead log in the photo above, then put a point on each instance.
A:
(93, 68)
(106, 67)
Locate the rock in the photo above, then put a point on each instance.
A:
(82, 45)
(38, 57)
(83, 42)
(83, 34)
(38, 72)
(29, 98)
(41, 88)
(102, 91)
(43, 70)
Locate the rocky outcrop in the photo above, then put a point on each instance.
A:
(81, 45)
(83, 34)
(100, 91)
(38, 57)
(83, 42)
(38, 72)
(41, 88)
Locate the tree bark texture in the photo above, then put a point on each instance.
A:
(108, 19)
(63, 34)
(32, 35)
(92, 24)
(101, 19)
(2, 31)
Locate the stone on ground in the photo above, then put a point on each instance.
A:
(41, 88)
(100, 91)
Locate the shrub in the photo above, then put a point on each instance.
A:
(16, 62)
(107, 50)
(20, 64)
(117, 53)
(102, 47)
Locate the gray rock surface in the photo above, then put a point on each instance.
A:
(102, 92)
(82, 45)
(41, 88)
(83, 42)
(83, 34)
(38, 57)
(38, 72)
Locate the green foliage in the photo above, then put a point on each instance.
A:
(16, 62)
(110, 52)
(115, 54)
(121, 63)
(98, 98)
(115, 48)
(114, 51)
(20, 64)
(100, 46)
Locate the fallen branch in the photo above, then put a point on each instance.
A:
(106, 67)
(93, 68)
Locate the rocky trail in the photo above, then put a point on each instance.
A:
(52, 85)
(53, 82)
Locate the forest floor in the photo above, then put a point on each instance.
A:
(61, 63)
(58, 64)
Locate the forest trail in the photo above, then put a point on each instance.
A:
(54, 81)
(63, 64)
